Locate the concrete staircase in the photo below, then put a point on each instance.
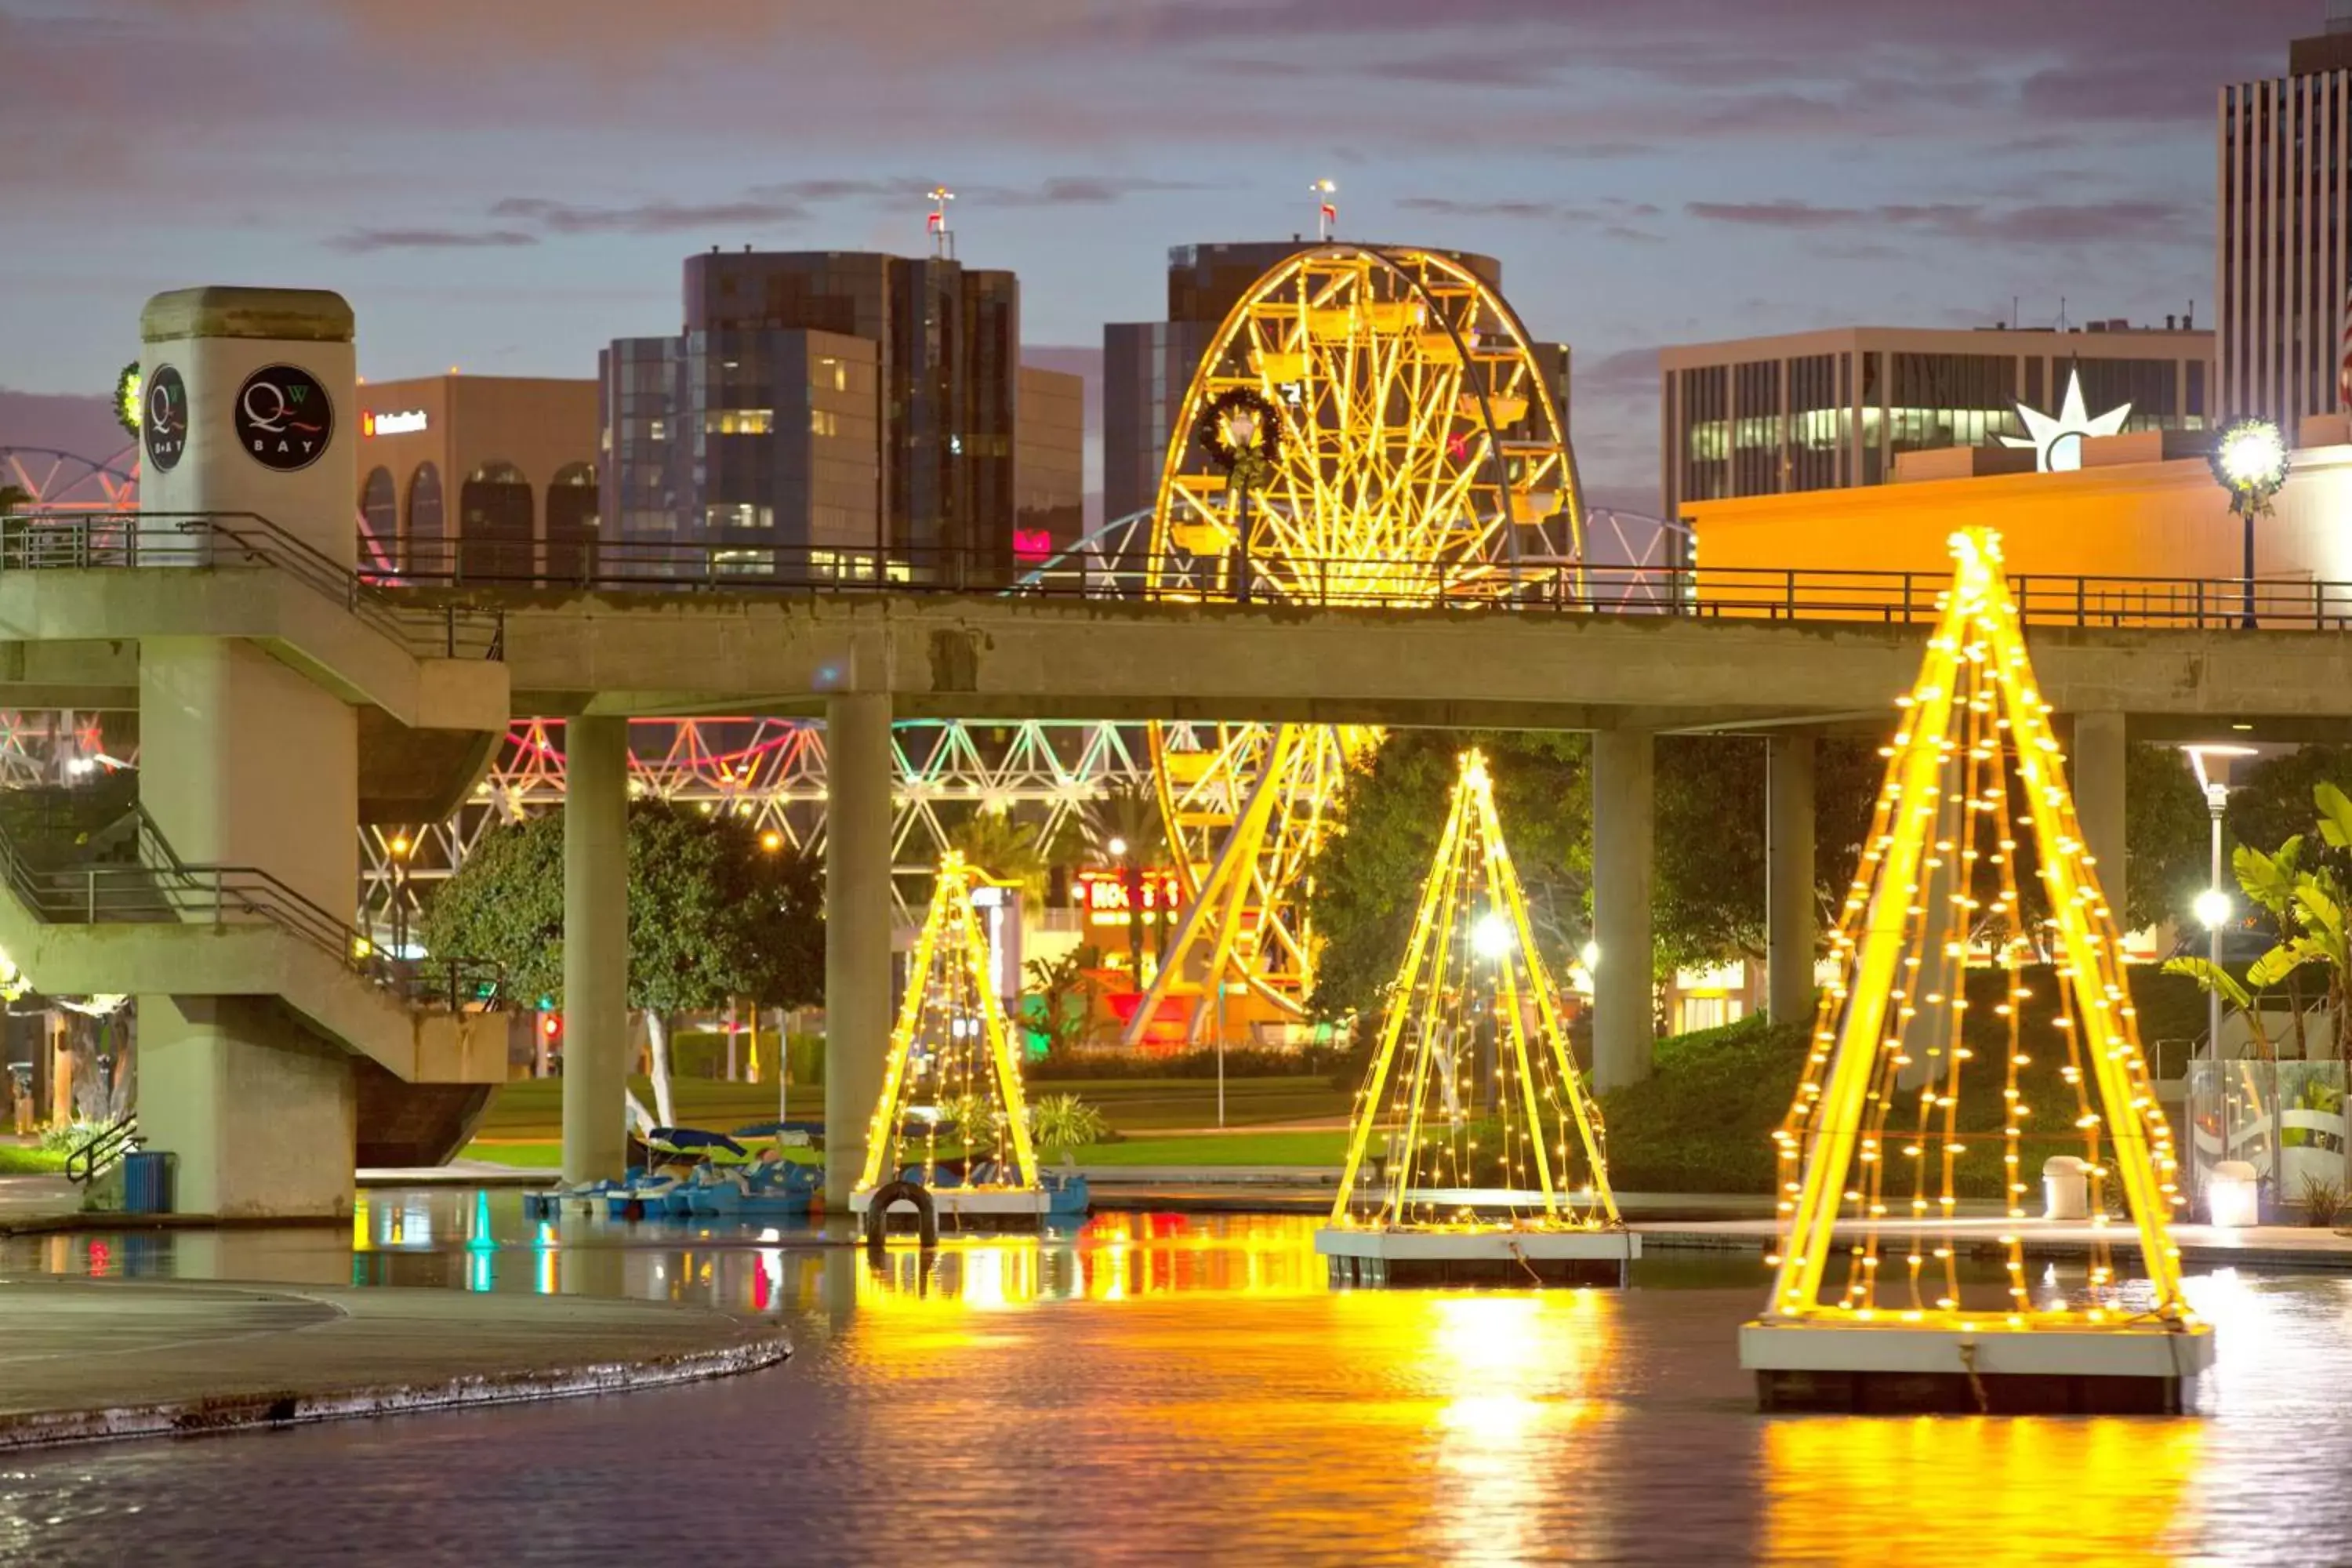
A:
(127, 922)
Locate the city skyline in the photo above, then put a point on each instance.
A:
(1682, 172)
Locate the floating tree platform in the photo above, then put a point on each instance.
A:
(1366, 1256)
(2110, 1369)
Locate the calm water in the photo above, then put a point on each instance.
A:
(1173, 1388)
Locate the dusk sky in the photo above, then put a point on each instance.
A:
(505, 184)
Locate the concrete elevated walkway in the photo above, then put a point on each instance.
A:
(680, 654)
(89, 1360)
(90, 624)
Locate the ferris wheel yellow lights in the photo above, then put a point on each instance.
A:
(1422, 454)
(1950, 806)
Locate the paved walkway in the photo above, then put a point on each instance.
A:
(82, 1359)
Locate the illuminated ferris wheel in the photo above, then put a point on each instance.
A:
(1370, 427)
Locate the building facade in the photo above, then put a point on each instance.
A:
(841, 411)
(2285, 245)
(1148, 365)
(1049, 467)
(743, 451)
(492, 477)
(1831, 410)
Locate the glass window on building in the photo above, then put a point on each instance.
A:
(380, 515)
(739, 422)
(572, 523)
(738, 515)
(428, 554)
(494, 524)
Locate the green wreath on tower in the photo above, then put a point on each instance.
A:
(129, 390)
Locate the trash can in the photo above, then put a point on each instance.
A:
(147, 1181)
(2065, 1188)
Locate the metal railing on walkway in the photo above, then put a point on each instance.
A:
(1556, 586)
(159, 887)
(80, 541)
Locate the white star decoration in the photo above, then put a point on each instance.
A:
(2057, 442)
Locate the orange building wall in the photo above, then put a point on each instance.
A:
(2162, 520)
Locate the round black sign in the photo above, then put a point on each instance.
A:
(163, 418)
(284, 418)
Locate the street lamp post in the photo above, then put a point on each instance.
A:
(1242, 431)
(2212, 907)
(2250, 461)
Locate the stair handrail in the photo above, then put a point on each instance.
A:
(103, 1150)
(172, 886)
(131, 539)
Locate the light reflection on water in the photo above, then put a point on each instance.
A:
(1161, 1388)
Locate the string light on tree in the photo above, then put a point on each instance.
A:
(1472, 1089)
(952, 1087)
(1975, 859)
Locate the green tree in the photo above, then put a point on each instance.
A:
(711, 916)
(2270, 799)
(1363, 885)
(2167, 830)
(1127, 816)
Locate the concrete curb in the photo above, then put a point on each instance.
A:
(207, 1417)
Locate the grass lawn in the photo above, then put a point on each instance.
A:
(23, 1160)
(1703, 1122)
(531, 1109)
(1306, 1148)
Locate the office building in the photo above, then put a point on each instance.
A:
(1830, 410)
(744, 452)
(1049, 436)
(479, 477)
(1148, 365)
(845, 412)
(2284, 257)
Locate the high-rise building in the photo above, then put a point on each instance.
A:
(843, 412)
(2284, 254)
(1147, 365)
(1814, 411)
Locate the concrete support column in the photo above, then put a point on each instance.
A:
(856, 929)
(1790, 914)
(595, 947)
(2097, 759)
(259, 1114)
(1625, 825)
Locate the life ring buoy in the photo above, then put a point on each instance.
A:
(889, 1196)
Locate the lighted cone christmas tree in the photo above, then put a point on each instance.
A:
(1473, 1105)
(952, 1087)
(1911, 1104)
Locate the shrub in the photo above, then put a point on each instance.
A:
(1066, 1121)
(1325, 1061)
(2322, 1201)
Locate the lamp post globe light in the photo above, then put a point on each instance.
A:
(2251, 462)
(2212, 909)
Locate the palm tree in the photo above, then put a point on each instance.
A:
(1123, 825)
(1003, 851)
